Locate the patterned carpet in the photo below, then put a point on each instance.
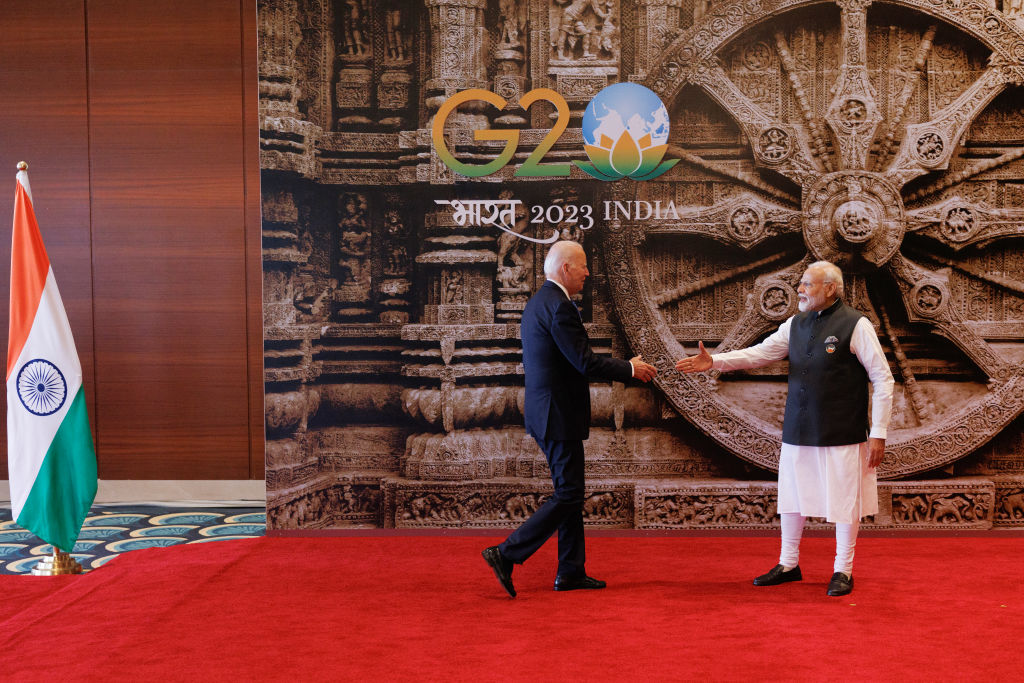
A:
(111, 530)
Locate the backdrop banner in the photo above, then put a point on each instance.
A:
(419, 158)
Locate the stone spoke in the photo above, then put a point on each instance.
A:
(744, 221)
(958, 223)
(819, 145)
(776, 145)
(921, 404)
(966, 174)
(929, 146)
(853, 115)
(926, 297)
(995, 279)
(773, 300)
(746, 179)
(691, 288)
(913, 77)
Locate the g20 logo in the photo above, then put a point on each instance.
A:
(625, 131)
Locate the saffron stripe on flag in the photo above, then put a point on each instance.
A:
(29, 266)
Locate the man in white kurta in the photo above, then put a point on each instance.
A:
(828, 458)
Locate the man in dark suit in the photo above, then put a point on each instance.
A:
(557, 360)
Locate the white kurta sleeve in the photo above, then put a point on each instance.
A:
(864, 344)
(774, 347)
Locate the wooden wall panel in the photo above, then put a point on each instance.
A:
(254, 234)
(139, 121)
(44, 122)
(169, 238)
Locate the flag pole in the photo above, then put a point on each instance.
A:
(59, 562)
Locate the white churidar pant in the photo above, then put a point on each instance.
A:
(792, 530)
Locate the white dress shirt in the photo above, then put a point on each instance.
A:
(864, 344)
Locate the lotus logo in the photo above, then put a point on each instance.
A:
(625, 131)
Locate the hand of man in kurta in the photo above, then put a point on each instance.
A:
(699, 363)
(641, 370)
(876, 451)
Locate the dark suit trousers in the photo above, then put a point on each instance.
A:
(562, 512)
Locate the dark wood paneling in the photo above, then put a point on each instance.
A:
(169, 191)
(44, 122)
(139, 120)
(253, 230)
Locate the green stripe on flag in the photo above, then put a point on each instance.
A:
(65, 487)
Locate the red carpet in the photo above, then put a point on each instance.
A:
(428, 608)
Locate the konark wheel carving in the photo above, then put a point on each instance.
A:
(853, 218)
(799, 143)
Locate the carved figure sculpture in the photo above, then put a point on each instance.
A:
(354, 243)
(572, 28)
(1012, 506)
(453, 287)
(607, 29)
(600, 506)
(353, 27)
(510, 24)
(395, 34)
(512, 262)
(910, 509)
(519, 506)
(948, 509)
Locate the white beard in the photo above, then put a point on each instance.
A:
(809, 304)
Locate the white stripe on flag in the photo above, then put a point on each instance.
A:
(31, 435)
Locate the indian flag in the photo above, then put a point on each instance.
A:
(50, 454)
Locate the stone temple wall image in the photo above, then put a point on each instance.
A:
(881, 135)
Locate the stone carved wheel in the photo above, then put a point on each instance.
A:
(899, 163)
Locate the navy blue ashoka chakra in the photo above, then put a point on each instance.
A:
(41, 387)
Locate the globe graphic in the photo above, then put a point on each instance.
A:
(625, 107)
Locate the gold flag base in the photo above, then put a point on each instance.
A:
(58, 563)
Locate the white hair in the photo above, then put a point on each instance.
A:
(830, 273)
(559, 253)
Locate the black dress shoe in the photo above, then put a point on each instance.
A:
(571, 583)
(840, 584)
(502, 568)
(777, 575)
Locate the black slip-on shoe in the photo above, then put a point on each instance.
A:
(840, 584)
(571, 583)
(777, 575)
(502, 568)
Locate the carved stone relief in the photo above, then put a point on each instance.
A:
(392, 356)
(869, 175)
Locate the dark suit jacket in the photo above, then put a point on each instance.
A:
(558, 360)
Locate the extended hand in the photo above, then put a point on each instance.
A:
(876, 451)
(641, 370)
(698, 363)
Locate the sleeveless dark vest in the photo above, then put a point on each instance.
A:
(827, 404)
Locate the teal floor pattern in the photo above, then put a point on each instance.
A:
(109, 531)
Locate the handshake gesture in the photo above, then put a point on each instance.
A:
(641, 370)
(698, 363)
